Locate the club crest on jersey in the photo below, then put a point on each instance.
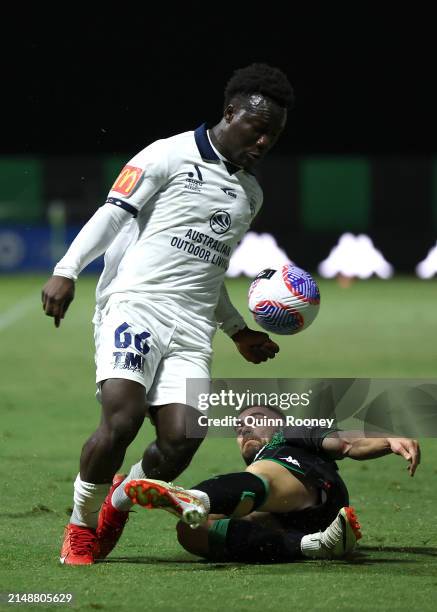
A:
(127, 180)
(220, 222)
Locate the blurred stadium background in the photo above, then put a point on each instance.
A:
(358, 158)
(310, 202)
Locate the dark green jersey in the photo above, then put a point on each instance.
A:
(299, 449)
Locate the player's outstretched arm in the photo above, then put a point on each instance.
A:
(360, 449)
(93, 240)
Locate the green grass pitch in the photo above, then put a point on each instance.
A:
(47, 407)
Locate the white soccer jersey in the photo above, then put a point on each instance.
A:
(191, 209)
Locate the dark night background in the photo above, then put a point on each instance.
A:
(85, 83)
(92, 80)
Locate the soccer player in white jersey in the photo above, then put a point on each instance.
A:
(168, 228)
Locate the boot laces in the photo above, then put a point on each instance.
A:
(82, 542)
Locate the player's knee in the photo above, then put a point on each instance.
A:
(122, 416)
(121, 426)
(124, 430)
(194, 541)
(263, 474)
(179, 449)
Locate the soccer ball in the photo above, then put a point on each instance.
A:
(284, 301)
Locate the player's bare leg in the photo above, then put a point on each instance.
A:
(165, 458)
(287, 493)
(123, 412)
(265, 486)
(171, 453)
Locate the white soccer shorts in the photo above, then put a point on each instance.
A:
(146, 343)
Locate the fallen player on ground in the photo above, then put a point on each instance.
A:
(289, 504)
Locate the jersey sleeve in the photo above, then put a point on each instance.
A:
(228, 318)
(141, 178)
(307, 438)
(93, 240)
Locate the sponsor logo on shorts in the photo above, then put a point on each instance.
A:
(127, 180)
(128, 361)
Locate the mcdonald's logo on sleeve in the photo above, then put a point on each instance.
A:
(127, 179)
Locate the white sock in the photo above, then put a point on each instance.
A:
(119, 498)
(311, 545)
(204, 498)
(88, 498)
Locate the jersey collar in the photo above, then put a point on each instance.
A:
(207, 152)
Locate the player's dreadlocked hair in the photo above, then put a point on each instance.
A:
(260, 79)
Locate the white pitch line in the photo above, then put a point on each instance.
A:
(9, 317)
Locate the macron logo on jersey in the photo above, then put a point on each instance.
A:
(127, 180)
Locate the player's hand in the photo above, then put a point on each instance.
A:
(408, 449)
(57, 295)
(255, 346)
